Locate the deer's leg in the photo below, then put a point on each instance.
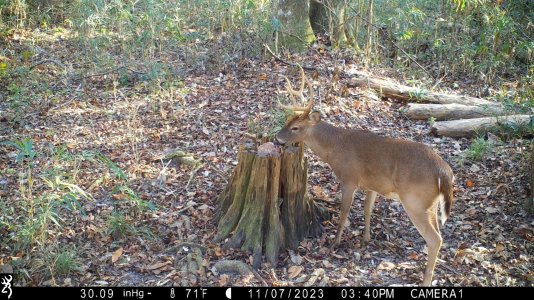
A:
(424, 219)
(347, 194)
(370, 198)
(435, 218)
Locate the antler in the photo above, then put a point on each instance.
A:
(304, 109)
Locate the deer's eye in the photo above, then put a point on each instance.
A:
(294, 128)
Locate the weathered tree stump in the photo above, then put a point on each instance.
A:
(265, 207)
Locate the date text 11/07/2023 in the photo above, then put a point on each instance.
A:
(354, 293)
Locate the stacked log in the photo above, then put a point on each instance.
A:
(455, 115)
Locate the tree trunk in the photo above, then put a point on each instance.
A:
(471, 127)
(319, 17)
(369, 43)
(440, 112)
(394, 90)
(329, 17)
(296, 32)
(529, 202)
(264, 207)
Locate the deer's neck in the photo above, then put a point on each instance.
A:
(323, 139)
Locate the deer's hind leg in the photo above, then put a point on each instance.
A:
(425, 217)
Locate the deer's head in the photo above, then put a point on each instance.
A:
(297, 127)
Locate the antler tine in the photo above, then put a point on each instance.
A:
(310, 90)
(305, 109)
(292, 92)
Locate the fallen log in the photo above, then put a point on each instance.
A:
(440, 112)
(470, 127)
(394, 90)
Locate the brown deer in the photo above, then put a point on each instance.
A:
(404, 170)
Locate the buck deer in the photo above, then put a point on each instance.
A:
(404, 170)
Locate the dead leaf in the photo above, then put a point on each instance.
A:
(491, 210)
(120, 196)
(327, 264)
(319, 192)
(116, 255)
(413, 256)
(223, 280)
(157, 265)
(295, 258)
(386, 265)
(262, 76)
(474, 168)
(314, 276)
(338, 256)
(294, 271)
(203, 207)
(499, 247)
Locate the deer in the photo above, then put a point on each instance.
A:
(404, 170)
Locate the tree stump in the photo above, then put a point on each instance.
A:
(265, 207)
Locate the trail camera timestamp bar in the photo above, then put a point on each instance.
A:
(260, 293)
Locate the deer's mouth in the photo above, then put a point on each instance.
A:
(278, 142)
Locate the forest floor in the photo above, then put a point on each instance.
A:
(141, 219)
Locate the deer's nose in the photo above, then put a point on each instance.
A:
(277, 141)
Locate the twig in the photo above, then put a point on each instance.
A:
(392, 42)
(44, 61)
(219, 173)
(186, 244)
(278, 58)
(452, 270)
(186, 208)
(115, 70)
(195, 170)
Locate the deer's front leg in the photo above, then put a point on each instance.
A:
(347, 194)
(370, 198)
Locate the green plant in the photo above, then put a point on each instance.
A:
(277, 120)
(511, 130)
(66, 262)
(431, 121)
(35, 229)
(53, 261)
(417, 95)
(119, 227)
(119, 174)
(25, 148)
(478, 149)
(66, 193)
(139, 204)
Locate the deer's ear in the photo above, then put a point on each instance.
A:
(315, 117)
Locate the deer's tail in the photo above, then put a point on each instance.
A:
(445, 185)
